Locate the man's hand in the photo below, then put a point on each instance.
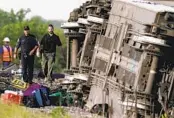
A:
(31, 53)
(14, 56)
(63, 55)
(38, 53)
(33, 50)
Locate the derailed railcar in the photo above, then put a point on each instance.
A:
(132, 64)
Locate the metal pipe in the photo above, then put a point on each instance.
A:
(74, 51)
(152, 74)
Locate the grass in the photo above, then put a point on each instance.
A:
(14, 111)
(59, 113)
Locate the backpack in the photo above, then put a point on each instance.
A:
(30, 101)
(45, 96)
(38, 98)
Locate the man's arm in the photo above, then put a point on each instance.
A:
(33, 50)
(35, 47)
(18, 45)
(38, 50)
(58, 42)
(41, 44)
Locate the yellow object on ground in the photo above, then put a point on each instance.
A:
(17, 83)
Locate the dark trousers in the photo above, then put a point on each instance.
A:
(27, 67)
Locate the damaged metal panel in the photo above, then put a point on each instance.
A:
(130, 57)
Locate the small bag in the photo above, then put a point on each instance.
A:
(34, 100)
(10, 98)
(31, 88)
(45, 95)
(38, 95)
(30, 101)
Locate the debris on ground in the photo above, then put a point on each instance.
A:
(67, 91)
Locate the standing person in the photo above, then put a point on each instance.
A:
(28, 44)
(7, 52)
(48, 52)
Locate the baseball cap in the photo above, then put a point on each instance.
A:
(26, 28)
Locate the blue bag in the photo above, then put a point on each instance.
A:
(45, 96)
(38, 95)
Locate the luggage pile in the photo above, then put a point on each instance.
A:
(12, 97)
(37, 95)
(34, 95)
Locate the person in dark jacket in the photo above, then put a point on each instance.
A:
(48, 52)
(28, 44)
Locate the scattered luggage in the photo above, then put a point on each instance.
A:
(61, 98)
(11, 97)
(36, 96)
(56, 99)
(31, 88)
(45, 95)
(54, 75)
(30, 101)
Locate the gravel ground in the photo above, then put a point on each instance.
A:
(74, 112)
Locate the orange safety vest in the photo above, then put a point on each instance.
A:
(7, 54)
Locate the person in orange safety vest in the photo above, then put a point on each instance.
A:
(6, 52)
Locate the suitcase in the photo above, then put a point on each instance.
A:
(38, 95)
(30, 101)
(9, 98)
(30, 95)
(56, 99)
(45, 95)
(31, 88)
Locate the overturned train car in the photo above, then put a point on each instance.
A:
(126, 48)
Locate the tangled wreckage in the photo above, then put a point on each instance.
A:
(119, 59)
(125, 47)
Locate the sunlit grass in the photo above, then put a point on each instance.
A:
(59, 113)
(14, 111)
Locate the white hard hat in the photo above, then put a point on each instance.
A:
(6, 39)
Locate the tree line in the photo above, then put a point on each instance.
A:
(12, 24)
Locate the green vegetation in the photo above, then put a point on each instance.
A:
(59, 113)
(14, 111)
(12, 24)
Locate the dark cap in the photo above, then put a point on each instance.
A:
(26, 28)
